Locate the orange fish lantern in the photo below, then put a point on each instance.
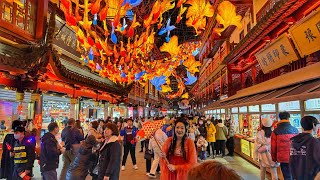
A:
(148, 129)
(96, 7)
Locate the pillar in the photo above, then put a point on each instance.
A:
(36, 99)
(105, 110)
(243, 80)
(254, 74)
(229, 82)
(74, 106)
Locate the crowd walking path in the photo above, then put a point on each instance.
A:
(240, 165)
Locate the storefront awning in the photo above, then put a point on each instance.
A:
(300, 91)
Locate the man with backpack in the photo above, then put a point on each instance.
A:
(71, 136)
(50, 152)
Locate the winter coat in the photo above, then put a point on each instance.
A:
(161, 138)
(24, 156)
(211, 133)
(265, 157)
(79, 168)
(193, 133)
(124, 134)
(94, 132)
(304, 157)
(280, 141)
(6, 160)
(109, 160)
(202, 129)
(71, 136)
(202, 144)
(221, 132)
(49, 156)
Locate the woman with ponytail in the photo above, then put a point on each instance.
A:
(178, 154)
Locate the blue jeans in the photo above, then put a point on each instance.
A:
(203, 155)
(50, 175)
(285, 168)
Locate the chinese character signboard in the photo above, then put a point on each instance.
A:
(277, 54)
(306, 34)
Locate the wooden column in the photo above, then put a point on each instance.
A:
(243, 80)
(73, 109)
(254, 74)
(221, 84)
(229, 81)
(41, 19)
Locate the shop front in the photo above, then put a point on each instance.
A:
(55, 109)
(91, 110)
(14, 106)
(298, 99)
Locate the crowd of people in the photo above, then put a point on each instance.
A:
(178, 149)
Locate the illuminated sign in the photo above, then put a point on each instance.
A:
(289, 106)
(268, 108)
(243, 109)
(254, 108)
(234, 110)
(312, 104)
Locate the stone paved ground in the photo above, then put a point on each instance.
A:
(243, 167)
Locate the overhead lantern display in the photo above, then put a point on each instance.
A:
(116, 38)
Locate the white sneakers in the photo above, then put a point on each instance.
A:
(135, 167)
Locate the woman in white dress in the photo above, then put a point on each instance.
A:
(262, 150)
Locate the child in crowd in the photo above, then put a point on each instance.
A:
(202, 146)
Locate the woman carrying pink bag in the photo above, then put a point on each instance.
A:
(263, 148)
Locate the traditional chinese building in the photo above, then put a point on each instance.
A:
(269, 65)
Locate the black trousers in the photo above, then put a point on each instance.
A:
(221, 146)
(143, 144)
(132, 149)
(212, 147)
(230, 146)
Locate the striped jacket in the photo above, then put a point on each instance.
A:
(24, 154)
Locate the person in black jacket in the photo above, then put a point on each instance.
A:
(50, 152)
(23, 154)
(110, 154)
(202, 128)
(7, 147)
(304, 153)
(78, 170)
(71, 136)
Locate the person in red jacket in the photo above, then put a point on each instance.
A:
(280, 143)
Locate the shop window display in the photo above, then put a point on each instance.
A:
(254, 120)
(54, 111)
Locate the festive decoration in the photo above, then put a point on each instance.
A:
(148, 129)
(227, 16)
(119, 46)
